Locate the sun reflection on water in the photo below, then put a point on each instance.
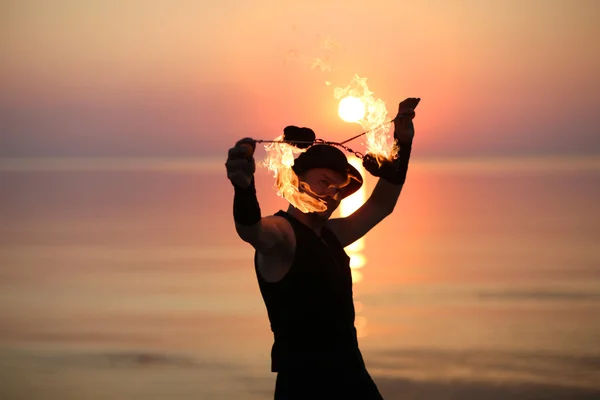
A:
(355, 250)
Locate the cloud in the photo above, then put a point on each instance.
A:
(135, 359)
(329, 44)
(322, 65)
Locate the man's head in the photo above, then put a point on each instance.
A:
(324, 172)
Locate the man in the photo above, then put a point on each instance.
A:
(302, 269)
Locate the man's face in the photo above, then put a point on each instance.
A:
(327, 185)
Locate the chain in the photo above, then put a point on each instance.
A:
(285, 141)
(348, 149)
(320, 141)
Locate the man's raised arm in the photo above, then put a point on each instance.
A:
(392, 175)
(262, 233)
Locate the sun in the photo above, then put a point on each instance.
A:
(351, 109)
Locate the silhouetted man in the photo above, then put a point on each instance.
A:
(302, 269)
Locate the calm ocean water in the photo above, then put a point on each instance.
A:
(124, 279)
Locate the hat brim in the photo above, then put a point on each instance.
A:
(356, 181)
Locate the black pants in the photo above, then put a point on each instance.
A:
(319, 384)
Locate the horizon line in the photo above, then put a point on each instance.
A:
(213, 164)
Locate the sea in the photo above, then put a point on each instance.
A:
(123, 278)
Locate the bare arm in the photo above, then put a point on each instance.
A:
(380, 204)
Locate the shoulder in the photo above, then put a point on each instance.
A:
(275, 262)
(283, 228)
(279, 222)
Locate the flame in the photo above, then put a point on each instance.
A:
(279, 160)
(280, 156)
(377, 138)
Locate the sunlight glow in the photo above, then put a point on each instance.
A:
(353, 202)
(351, 109)
(357, 260)
(347, 207)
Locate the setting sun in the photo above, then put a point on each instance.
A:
(351, 109)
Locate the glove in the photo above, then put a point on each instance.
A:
(404, 130)
(393, 171)
(240, 167)
(240, 163)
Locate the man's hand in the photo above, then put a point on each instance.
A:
(240, 163)
(382, 169)
(404, 130)
(394, 171)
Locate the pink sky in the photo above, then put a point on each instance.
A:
(168, 78)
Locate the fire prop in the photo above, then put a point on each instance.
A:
(357, 105)
(280, 158)
(372, 119)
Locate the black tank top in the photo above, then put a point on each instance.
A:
(311, 309)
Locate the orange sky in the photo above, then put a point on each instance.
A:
(171, 78)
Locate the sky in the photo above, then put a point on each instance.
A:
(169, 78)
